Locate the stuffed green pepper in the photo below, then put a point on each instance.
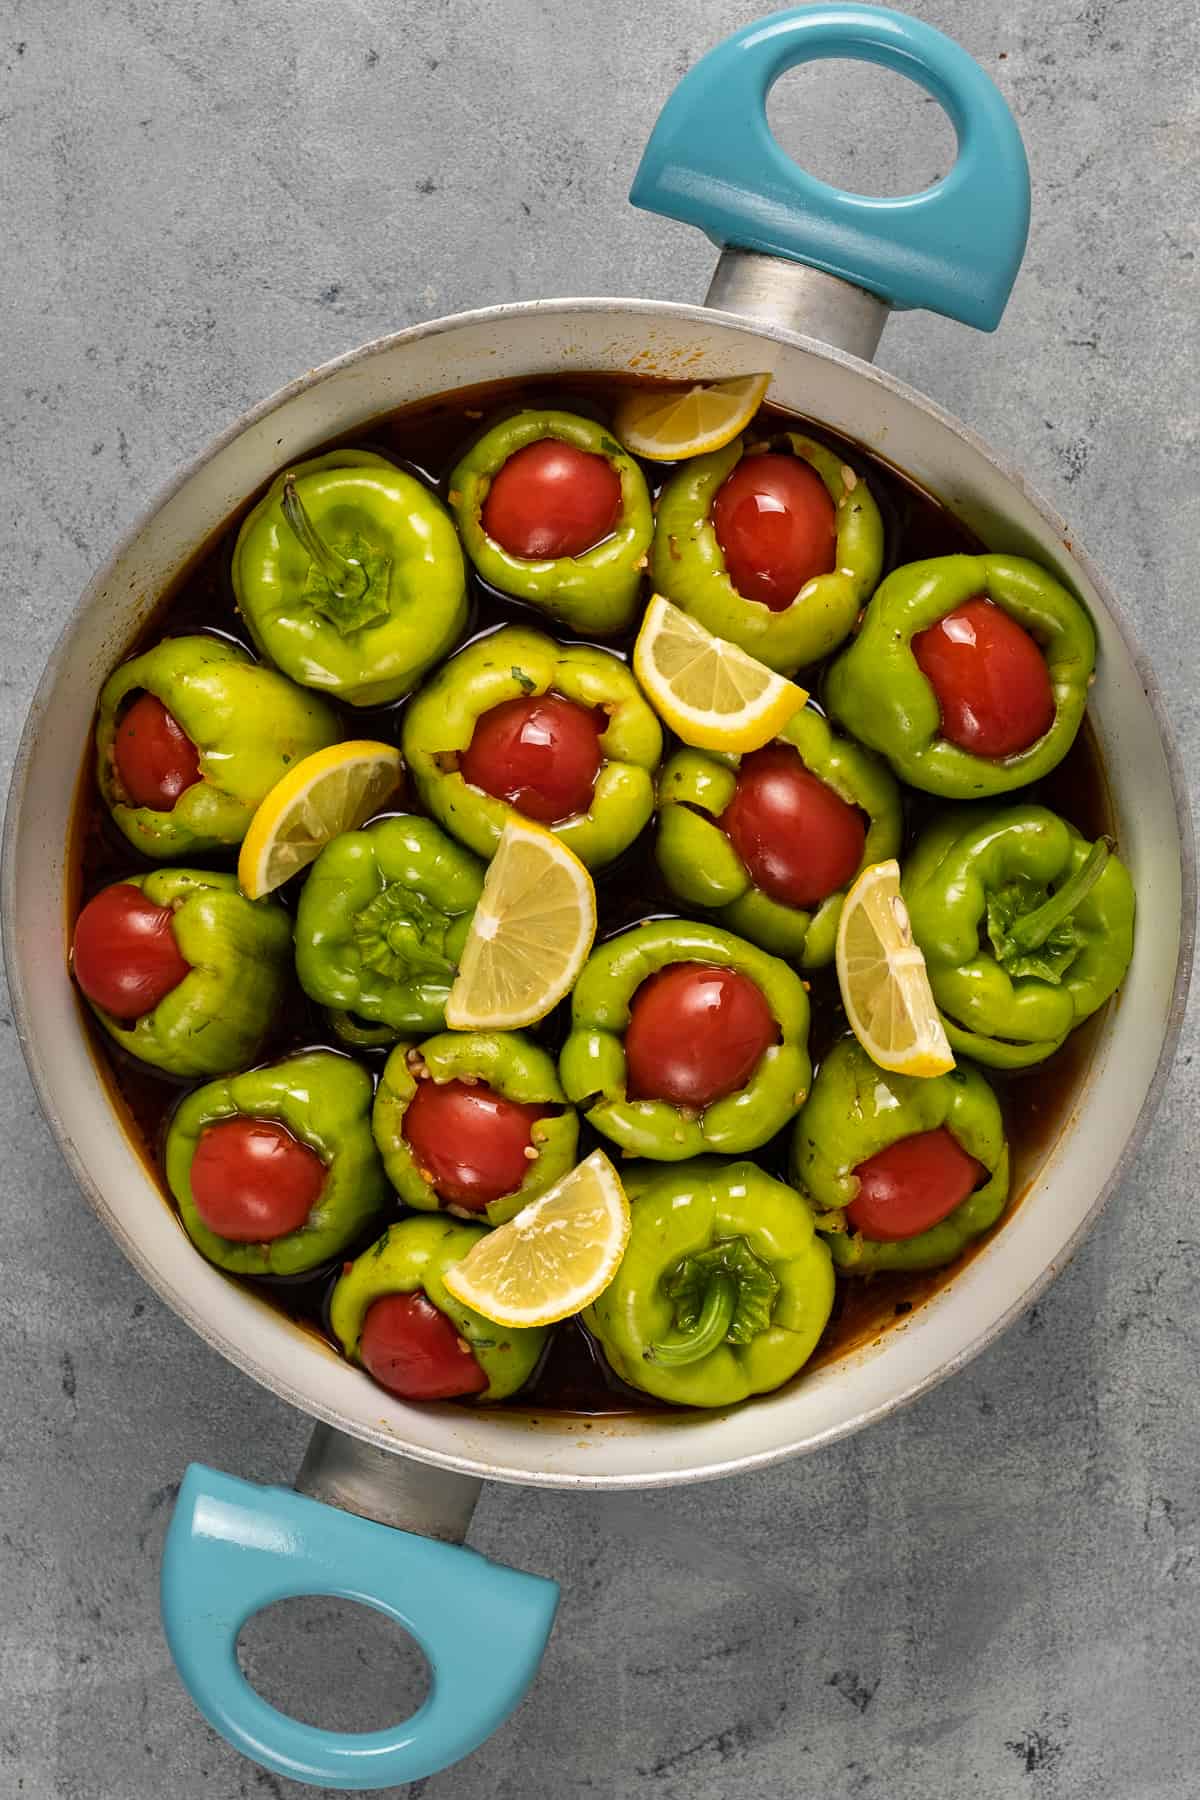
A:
(903, 1172)
(350, 576)
(555, 512)
(393, 1315)
(275, 1171)
(685, 1038)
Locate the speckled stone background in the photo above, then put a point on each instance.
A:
(995, 1593)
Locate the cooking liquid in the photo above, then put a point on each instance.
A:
(428, 439)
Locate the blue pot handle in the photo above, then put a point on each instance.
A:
(234, 1547)
(713, 162)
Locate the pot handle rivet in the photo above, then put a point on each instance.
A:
(713, 162)
(234, 1548)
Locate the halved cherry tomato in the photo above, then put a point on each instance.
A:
(156, 759)
(542, 755)
(551, 499)
(125, 956)
(414, 1351)
(696, 1032)
(911, 1185)
(800, 841)
(469, 1141)
(777, 527)
(252, 1181)
(990, 678)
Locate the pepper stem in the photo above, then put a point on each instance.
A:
(347, 578)
(710, 1329)
(1031, 930)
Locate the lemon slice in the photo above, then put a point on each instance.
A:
(530, 936)
(668, 424)
(881, 973)
(332, 791)
(558, 1254)
(709, 691)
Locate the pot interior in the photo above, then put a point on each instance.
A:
(1132, 1045)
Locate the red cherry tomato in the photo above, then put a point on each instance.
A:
(252, 1181)
(414, 1351)
(911, 1185)
(470, 1142)
(776, 526)
(542, 755)
(156, 759)
(125, 956)
(695, 1033)
(552, 500)
(990, 678)
(800, 841)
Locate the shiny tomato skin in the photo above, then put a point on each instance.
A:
(156, 760)
(551, 499)
(124, 953)
(541, 754)
(414, 1351)
(777, 527)
(799, 840)
(696, 1032)
(912, 1185)
(252, 1181)
(990, 679)
(469, 1142)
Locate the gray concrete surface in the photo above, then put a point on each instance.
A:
(995, 1593)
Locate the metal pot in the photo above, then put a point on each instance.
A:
(802, 288)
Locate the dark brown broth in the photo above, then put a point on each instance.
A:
(428, 439)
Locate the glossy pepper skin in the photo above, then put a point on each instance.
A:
(688, 566)
(1026, 928)
(240, 953)
(855, 1110)
(516, 662)
(510, 1063)
(724, 1288)
(324, 1100)
(698, 860)
(876, 690)
(365, 648)
(248, 723)
(595, 593)
(382, 920)
(593, 1065)
(412, 1257)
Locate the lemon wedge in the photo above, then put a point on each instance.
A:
(881, 973)
(334, 790)
(706, 689)
(558, 1254)
(530, 936)
(669, 424)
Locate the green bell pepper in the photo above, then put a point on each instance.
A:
(688, 565)
(248, 723)
(382, 920)
(724, 1288)
(595, 593)
(512, 662)
(412, 1257)
(324, 1100)
(357, 1034)
(510, 1063)
(593, 1068)
(350, 576)
(1026, 928)
(877, 691)
(240, 956)
(699, 863)
(854, 1111)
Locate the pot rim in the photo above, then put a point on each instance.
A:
(648, 309)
